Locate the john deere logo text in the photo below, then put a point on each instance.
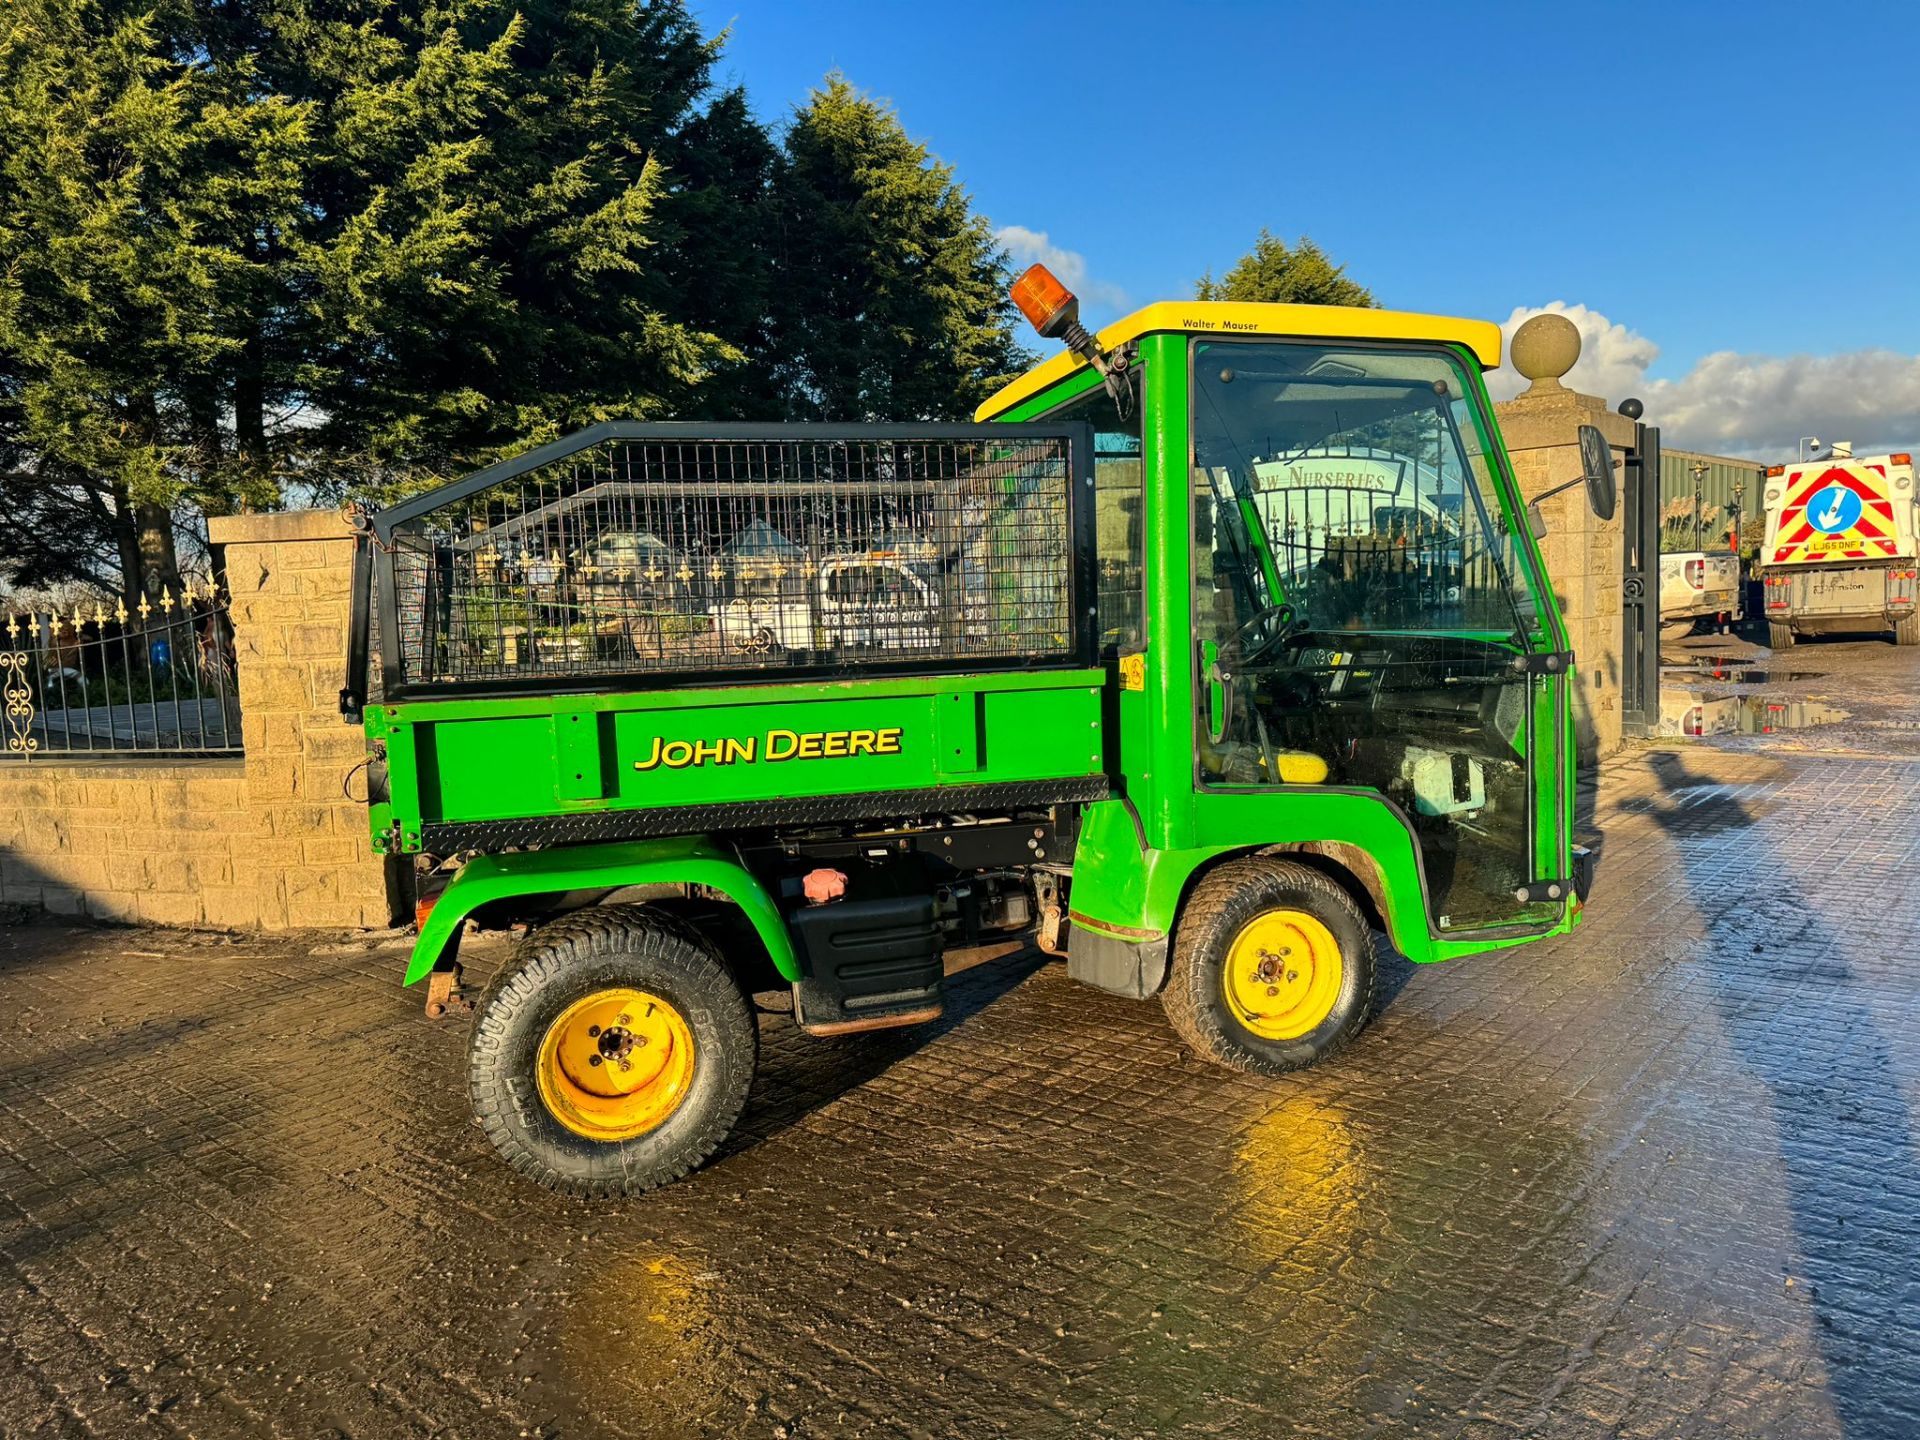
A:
(775, 745)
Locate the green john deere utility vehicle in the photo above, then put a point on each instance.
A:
(1219, 643)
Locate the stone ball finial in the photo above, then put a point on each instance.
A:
(1545, 348)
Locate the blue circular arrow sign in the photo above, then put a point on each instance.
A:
(1833, 510)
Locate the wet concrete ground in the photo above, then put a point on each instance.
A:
(1659, 1178)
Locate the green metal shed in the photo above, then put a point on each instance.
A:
(1704, 498)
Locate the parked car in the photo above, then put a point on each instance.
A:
(1701, 585)
(881, 602)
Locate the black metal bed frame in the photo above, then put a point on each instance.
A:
(379, 625)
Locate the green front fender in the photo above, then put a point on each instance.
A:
(686, 860)
(1133, 891)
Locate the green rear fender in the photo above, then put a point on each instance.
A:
(684, 861)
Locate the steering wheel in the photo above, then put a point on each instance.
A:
(1280, 617)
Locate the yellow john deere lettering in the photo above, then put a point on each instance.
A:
(777, 745)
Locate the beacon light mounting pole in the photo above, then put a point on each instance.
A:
(1054, 312)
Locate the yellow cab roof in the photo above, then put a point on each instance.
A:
(1239, 317)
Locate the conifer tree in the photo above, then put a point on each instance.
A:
(133, 187)
(717, 255)
(496, 223)
(331, 245)
(261, 250)
(892, 296)
(1302, 275)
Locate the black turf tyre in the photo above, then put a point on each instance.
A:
(594, 949)
(1779, 637)
(1220, 906)
(1907, 631)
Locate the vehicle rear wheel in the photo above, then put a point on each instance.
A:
(1273, 967)
(1675, 629)
(613, 1054)
(1779, 636)
(1907, 631)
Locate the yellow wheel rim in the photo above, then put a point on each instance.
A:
(615, 1064)
(1283, 972)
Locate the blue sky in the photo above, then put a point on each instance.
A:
(1703, 181)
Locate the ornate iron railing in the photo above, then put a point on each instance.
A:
(156, 680)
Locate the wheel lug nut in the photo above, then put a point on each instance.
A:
(626, 1065)
(593, 1059)
(624, 1020)
(593, 1030)
(1273, 989)
(1292, 975)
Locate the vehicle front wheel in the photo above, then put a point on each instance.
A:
(1779, 637)
(613, 1054)
(1273, 967)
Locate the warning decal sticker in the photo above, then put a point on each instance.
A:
(1836, 513)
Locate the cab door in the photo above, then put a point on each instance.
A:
(1364, 620)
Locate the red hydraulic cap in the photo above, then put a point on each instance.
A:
(823, 885)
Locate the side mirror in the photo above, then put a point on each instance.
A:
(1596, 473)
(1596, 465)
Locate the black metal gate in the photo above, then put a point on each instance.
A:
(1640, 579)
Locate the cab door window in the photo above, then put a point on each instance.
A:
(1359, 602)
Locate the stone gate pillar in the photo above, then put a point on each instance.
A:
(1583, 553)
(290, 576)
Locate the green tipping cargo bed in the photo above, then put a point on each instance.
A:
(518, 771)
(673, 629)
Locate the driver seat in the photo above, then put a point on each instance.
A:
(1298, 767)
(1240, 763)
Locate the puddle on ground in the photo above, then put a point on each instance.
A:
(1690, 714)
(1736, 670)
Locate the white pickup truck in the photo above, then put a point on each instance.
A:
(877, 601)
(1697, 585)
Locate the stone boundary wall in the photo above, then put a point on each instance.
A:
(139, 840)
(267, 842)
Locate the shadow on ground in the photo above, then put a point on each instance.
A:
(1797, 1013)
(799, 1074)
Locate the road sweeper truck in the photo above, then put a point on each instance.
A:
(1839, 552)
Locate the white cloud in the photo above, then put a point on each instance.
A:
(1743, 404)
(1028, 247)
(1760, 405)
